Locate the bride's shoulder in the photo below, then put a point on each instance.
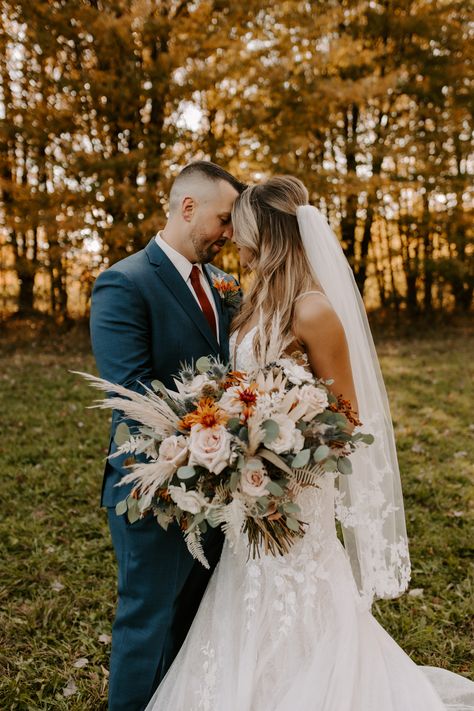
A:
(314, 315)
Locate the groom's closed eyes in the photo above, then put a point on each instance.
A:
(225, 219)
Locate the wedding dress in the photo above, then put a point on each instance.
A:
(294, 634)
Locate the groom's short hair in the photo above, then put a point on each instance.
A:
(205, 170)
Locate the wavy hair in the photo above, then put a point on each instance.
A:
(264, 220)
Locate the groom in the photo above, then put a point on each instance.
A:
(149, 313)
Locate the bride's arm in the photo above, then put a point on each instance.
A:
(318, 327)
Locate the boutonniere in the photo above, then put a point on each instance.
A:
(227, 289)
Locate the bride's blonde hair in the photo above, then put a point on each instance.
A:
(264, 220)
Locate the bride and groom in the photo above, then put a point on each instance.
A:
(275, 633)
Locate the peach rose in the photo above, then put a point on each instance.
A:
(254, 478)
(173, 450)
(209, 447)
(315, 399)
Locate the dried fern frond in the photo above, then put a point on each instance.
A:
(303, 477)
(232, 519)
(194, 544)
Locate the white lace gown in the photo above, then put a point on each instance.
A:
(293, 634)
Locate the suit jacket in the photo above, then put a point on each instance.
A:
(144, 323)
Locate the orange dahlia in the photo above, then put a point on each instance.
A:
(207, 414)
(234, 377)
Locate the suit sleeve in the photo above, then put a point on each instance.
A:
(120, 331)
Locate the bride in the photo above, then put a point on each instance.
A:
(296, 632)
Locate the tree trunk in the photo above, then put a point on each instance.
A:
(361, 273)
(26, 279)
(349, 219)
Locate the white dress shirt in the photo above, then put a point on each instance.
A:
(184, 266)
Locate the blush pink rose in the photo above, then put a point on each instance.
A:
(210, 447)
(254, 478)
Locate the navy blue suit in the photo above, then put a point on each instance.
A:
(144, 323)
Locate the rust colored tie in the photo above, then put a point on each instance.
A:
(203, 300)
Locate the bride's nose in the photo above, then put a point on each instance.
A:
(228, 232)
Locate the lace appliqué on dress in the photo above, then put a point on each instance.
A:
(206, 690)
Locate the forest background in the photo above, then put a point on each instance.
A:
(102, 102)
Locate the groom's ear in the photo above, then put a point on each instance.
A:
(188, 207)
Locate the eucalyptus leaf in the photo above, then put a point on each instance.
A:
(234, 480)
(291, 507)
(368, 438)
(292, 523)
(330, 465)
(244, 434)
(301, 459)
(186, 472)
(253, 465)
(121, 508)
(203, 364)
(122, 434)
(344, 465)
(321, 453)
(133, 512)
(272, 430)
(163, 519)
(273, 488)
(233, 425)
(332, 418)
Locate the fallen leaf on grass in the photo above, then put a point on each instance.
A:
(416, 592)
(70, 688)
(417, 448)
(57, 586)
(105, 638)
(81, 663)
(458, 455)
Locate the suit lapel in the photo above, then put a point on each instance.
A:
(173, 280)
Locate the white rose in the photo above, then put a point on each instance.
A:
(253, 478)
(209, 447)
(194, 386)
(289, 437)
(315, 399)
(295, 373)
(173, 450)
(191, 501)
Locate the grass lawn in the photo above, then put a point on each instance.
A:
(57, 584)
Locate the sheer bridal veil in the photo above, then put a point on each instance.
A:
(369, 504)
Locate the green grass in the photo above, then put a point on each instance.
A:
(58, 573)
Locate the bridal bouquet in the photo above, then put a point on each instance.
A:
(232, 449)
